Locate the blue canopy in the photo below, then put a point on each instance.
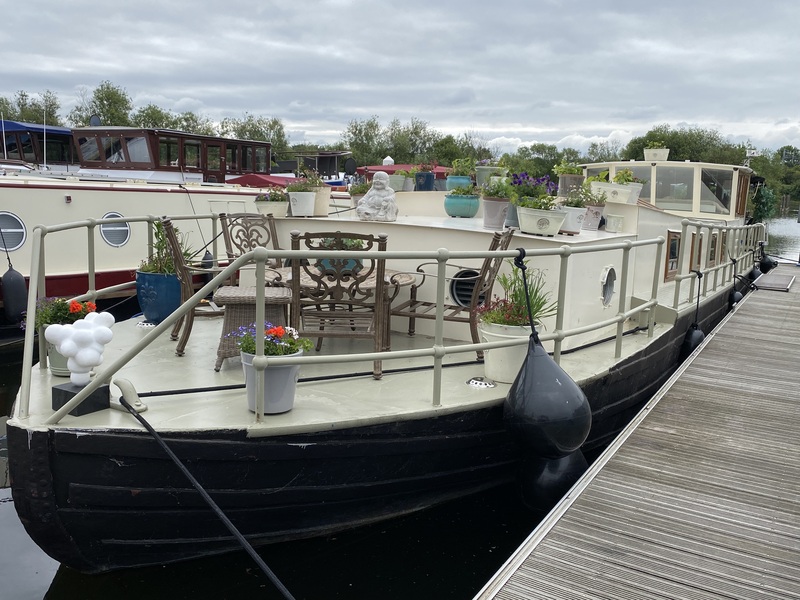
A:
(10, 126)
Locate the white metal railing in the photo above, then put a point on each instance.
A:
(745, 237)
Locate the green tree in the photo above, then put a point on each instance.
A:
(32, 110)
(152, 116)
(260, 129)
(109, 102)
(193, 123)
(688, 143)
(366, 141)
(609, 150)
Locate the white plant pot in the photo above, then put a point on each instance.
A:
(280, 384)
(277, 209)
(573, 220)
(322, 201)
(494, 212)
(614, 223)
(502, 364)
(656, 154)
(302, 203)
(540, 222)
(615, 192)
(636, 190)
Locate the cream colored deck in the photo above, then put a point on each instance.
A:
(700, 496)
(351, 397)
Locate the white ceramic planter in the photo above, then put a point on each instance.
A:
(280, 384)
(540, 222)
(502, 364)
(614, 223)
(636, 190)
(277, 209)
(494, 212)
(573, 220)
(615, 192)
(302, 203)
(656, 154)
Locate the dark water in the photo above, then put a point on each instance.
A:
(784, 239)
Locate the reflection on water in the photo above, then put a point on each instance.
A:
(450, 551)
(784, 239)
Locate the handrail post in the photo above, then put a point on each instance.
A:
(438, 331)
(623, 297)
(563, 273)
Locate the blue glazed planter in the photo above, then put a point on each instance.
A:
(423, 180)
(461, 206)
(454, 181)
(158, 295)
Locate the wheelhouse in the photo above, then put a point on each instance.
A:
(171, 155)
(42, 145)
(693, 189)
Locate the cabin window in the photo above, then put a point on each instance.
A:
(168, 151)
(261, 160)
(26, 145)
(247, 158)
(115, 234)
(213, 157)
(712, 251)
(13, 231)
(12, 148)
(89, 149)
(57, 150)
(191, 154)
(112, 149)
(138, 149)
(231, 156)
(674, 187)
(715, 191)
(673, 251)
(741, 194)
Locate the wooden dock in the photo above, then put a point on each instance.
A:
(700, 497)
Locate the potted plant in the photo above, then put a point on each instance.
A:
(496, 193)
(302, 197)
(462, 201)
(486, 168)
(424, 177)
(626, 177)
(570, 176)
(279, 381)
(58, 311)
(535, 203)
(507, 317)
(340, 266)
(157, 287)
(274, 200)
(460, 173)
(400, 180)
(655, 150)
(615, 192)
(574, 207)
(594, 201)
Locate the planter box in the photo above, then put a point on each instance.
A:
(277, 209)
(540, 222)
(591, 221)
(615, 192)
(656, 154)
(302, 203)
(495, 211)
(573, 219)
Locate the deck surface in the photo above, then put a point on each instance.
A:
(699, 498)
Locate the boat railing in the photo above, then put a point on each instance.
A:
(641, 313)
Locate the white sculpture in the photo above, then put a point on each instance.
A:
(82, 343)
(378, 204)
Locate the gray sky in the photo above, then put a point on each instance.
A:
(564, 73)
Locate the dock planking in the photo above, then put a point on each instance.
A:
(699, 498)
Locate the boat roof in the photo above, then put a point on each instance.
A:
(10, 126)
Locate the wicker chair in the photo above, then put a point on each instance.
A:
(482, 283)
(341, 298)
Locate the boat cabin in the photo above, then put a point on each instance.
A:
(42, 145)
(168, 155)
(690, 189)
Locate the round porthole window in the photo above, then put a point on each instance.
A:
(12, 231)
(115, 234)
(607, 281)
(461, 286)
